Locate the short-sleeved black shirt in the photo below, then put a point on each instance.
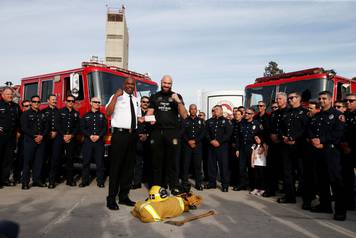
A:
(165, 110)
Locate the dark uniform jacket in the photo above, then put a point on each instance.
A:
(94, 123)
(9, 117)
(328, 126)
(34, 123)
(67, 122)
(276, 121)
(193, 129)
(219, 129)
(145, 127)
(165, 110)
(294, 123)
(350, 130)
(50, 114)
(235, 132)
(247, 132)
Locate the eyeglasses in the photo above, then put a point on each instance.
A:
(260, 105)
(291, 97)
(36, 101)
(97, 102)
(145, 102)
(350, 100)
(249, 113)
(70, 100)
(27, 105)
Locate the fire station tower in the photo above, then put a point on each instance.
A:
(117, 38)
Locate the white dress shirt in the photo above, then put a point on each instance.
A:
(121, 116)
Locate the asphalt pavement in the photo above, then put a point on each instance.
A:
(81, 212)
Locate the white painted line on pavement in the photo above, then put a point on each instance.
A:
(60, 219)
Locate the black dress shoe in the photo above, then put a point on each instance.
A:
(136, 186)
(82, 185)
(25, 186)
(306, 206)
(321, 209)
(199, 187)
(268, 194)
(9, 184)
(286, 200)
(112, 205)
(101, 185)
(51, 186)
(127, 202)
(1, 186)
(210, 186)
(339, 217)
(71, 183)
(224, 189)
(39, 184)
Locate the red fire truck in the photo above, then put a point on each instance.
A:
(308, 82)
(92, 79)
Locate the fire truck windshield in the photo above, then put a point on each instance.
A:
(309, 90)
(105, 84)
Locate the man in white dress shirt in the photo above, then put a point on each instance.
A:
(124, 110)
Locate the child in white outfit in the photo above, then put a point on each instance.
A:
(258, 164)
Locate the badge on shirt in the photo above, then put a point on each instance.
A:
(331, 116)
(101, 115)
(175, 141)
(223, 121)
(253, 127)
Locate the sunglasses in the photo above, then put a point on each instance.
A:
(350, 100)
(70, 100)
(339, 106)
(323, 98)
(291, 97)
(145, 102)
(97, 102)
(260, 105)
(26, 105)
(36, 101)
(249, 113)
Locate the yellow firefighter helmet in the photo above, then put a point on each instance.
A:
(157, 194)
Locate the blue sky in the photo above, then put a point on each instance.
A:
(204, 45)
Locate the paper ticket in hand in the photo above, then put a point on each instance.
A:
(150, 118)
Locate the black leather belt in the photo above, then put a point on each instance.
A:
(123, 130)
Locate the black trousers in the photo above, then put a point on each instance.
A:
(143, 167)
(219, 156)
(122, 162)
(33, 153)
(259, 175)
(329, 173)
(194, 155)
(309, 174)
(89, 150)
(245, 177)
(233, 165)
(274, 167)
(7, 148)
(165, 146)
(289, 155)
(348, 178)
(60, 147)
(18, 164)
